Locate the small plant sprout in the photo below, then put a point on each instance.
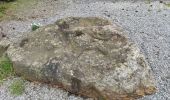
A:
(35, 26)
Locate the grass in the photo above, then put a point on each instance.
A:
(6, 69)
(7, 9)
(3, 8)
(17, 87)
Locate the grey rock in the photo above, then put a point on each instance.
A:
(85, 56)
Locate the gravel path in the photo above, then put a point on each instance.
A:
(148, 25)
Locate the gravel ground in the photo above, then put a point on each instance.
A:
(147, 24)
(35, 91)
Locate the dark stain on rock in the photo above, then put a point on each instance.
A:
(2, 35)
(141, 61)
(119, 38)
(120, 56)
(63, 25)
(66, 36)
(78, 33)
(78, 73)
(52, 68)
(75, 85)
(104, 36)
(96, 92)
(52, 71)
(102, 50)
(23, 42)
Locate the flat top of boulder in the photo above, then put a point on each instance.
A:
(84, 54)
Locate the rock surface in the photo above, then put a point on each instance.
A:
(86, 56)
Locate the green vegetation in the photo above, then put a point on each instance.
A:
(168, 4)
(8, 9)
(148, 1)
(6, 69)
(35, 26)
(4, 6)
(3, 9)
(17, 87)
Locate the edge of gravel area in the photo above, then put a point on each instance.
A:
(32, 91)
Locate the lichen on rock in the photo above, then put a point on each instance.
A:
(87, 56)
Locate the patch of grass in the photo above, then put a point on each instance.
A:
(17, 87)
(3, 9)
(5, 5)
(8, 8)
(6, 69)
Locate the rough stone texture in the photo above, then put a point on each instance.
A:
(86, 56)
(4, 44)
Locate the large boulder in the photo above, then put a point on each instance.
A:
(86, 56)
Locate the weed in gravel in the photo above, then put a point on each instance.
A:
(168, 4)
(6, 69)
(17, 87)
(35, 26)
(148, 1)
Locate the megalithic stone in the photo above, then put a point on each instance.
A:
(88, 56)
